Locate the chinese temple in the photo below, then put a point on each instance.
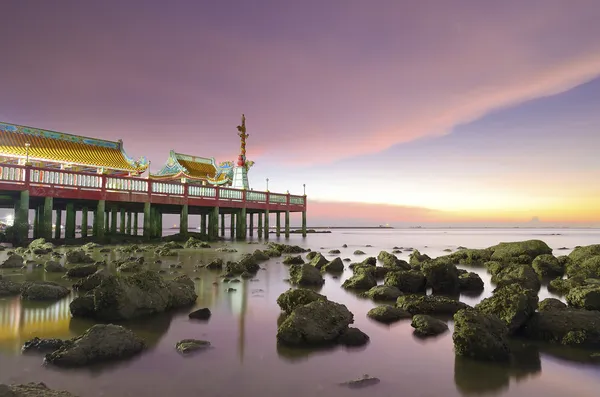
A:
(22, 145)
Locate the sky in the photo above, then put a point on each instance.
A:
(447, 112)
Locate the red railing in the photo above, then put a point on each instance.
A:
(65, 179)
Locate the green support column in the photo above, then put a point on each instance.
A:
(183, 220)
(222, 225)
(135, 223)
(251, 228)
(22, 218)
(47, 218)
(84, 222)
(303, 223)
(260, 224)
(128, 227)
(213, 224)
(244, 224)
(278, 224)
(159, 223)
(106, 222)
(113, 220)
(232, 225)
(147, 221)
(287, 224)
(266, 224)
(122, 223)
(203, 224)
(36, 222)
(99, 218)
(57, 225)
(70, 221)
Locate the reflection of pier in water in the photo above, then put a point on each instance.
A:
(21, 320)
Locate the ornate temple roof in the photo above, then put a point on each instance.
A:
(58, 147)
(192, 167)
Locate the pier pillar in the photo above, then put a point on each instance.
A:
(47, 218)
(135, 223)
(22, 218)
(203, 224)
(213, 224)
(278, 224)
(260, 224)
(232, 225)
(303, 223)
(244, 218)
(113, 220)
(84, 222)
(159, 223)
(287, 224)
(57, 225)
(106, 221)
(99, 219)
(128, 227)
(70, 221)
(223, 225)
(147, 221)
(266, 224)
(241, 224)
(183, 220)
(251, 224)
(122, 223)
(36, 222)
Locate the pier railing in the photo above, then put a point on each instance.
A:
(33, 176)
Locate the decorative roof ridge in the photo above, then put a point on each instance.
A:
(188, 157)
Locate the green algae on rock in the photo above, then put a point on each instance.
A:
(521, 251)
(480, 336)
(382, 293)
(294, 298)
(425, 325)
(388, 314)
(187, 346)
(470, 282)
(305, 274)
(362, 280)
(318, 261)
(523, 275)
(335, 266)
(512, 304)
(391, 261)
(441, 277)
(585, 297)
(416, 258)
(551, 304)
(429, 304)
(32, 390)
(293, 260)
(43, 291)
(570, 327)
(407, 281)
(547, 266)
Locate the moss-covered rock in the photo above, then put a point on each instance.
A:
(382, 293)
(294, 298)
(362, 280)
(306, 275)
(551, 304)
(429, 304)
(470, 282)
(193, 242)
(40, 247)
(293, 260)
(586, 268)
(43, 291)
(81, 271)
(359, 252)
(311, 255)
(187, 346)
(512, 304)
(410, 281)
(287, 249)
(416, 258)
(471, 257)
(562, 286)
(42, 346)
(520, 251)
(580, 254)
(523, 275)
(31, 390)
(129, 267)
(425, 325)
(585, 297)
(571, 327)
(319, 261)
(102, 342)
(391, 261)
(215, 264)
(9, 288)
(318, 323)
(353, 337)
(90, 282)
(78, 256)
(335, 266)
(260, 256)
(388, 314)
(441, 277)
(272, 253)
(480, 336)
(54, 267)
(12, 262)
(547, 266)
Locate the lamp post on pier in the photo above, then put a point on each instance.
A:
(267, 184)
(304, 187)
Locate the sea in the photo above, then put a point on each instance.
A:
(245, 359)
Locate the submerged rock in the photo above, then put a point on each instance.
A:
(54, 267)
(441, 277)
(383, 293)
(551, 304)
(390, 260)
(78, 256)
(425, 325)
(305, 274)
(353, 337)
(81, 271)
(12, 262)
(480, 336)
(293, 260)
(334, 252)
(31, 390)
(585, 297)
(429, 304)
(102, 342)
(187, 346)
(43, 291)
(9, 288)
(571, 327)
(519, 251)
(42, 345)
(416, 258)
(408, 281)
(365, 381)
(362, 280)
(193, 242)
(200, 314)
(294, 298)
(388, 314)
(90, 282)
(512, 304)
(359, 252)
(470, 282)
(215, 264)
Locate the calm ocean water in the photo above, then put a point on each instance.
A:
(246, 360)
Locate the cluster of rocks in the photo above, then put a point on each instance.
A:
(31, 390)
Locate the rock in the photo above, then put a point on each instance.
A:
(287, 249)
(425, 325)
(272, 253)
(551, 304)
(362, 280)
(90, 282)
(547, 266)
(130, 267)
(43, 291)
(581, 254)
(359, 252)
(480, 336)
(317, 323)
(54, 267)
(383, 293)
(509, 252)
(260, 256)
(407, 281)
(469, 257)
(334, 252)
(470, 282)
(387, 314)
(90, 246)
(318, 261)
(40, 246)
(31, 390)
(12, 262)
(353, 337)
(249, 264)
(246, 275)
(365, 381)
(311, 255)
(390, 260)
(81, 271)
(9, 288)
(587, 268)
(215, 264)
(294, 298)
(585, 297)
(429, 304)
(416, 258)
(571, 327)
(293, 260)
(226, 249)
(42, 345)
(104, 250)
(441, 277)
(523, 275)
(200, 314)
(512, 304)
(187, 346)
(335, 266)
(193, 242)
(78, 256)
(101, 342)
(305, 274)
(562, 286)
(345, 246)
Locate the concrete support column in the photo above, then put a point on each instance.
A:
(203, 224)
(159, 222)
(113, 220)
(251, 229)
(106, 221)
(303, 223)
(241, 224)
(287, 224)
(22, 218)
(47, 218)
(70, 221)
(183, 220)
(128, 227)
(153, 222)
(232, 225)
(84, 222)
(57, 225)
(222, 225)
(135, 224)
(36, 222)
(266, 224)
(122, 223)
(147, 221)
(213, 224)
(99, 218)
(260, 224)
(244, 220)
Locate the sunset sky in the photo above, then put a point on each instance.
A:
(401, 112)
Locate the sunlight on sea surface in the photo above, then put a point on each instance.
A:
(246, 359)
